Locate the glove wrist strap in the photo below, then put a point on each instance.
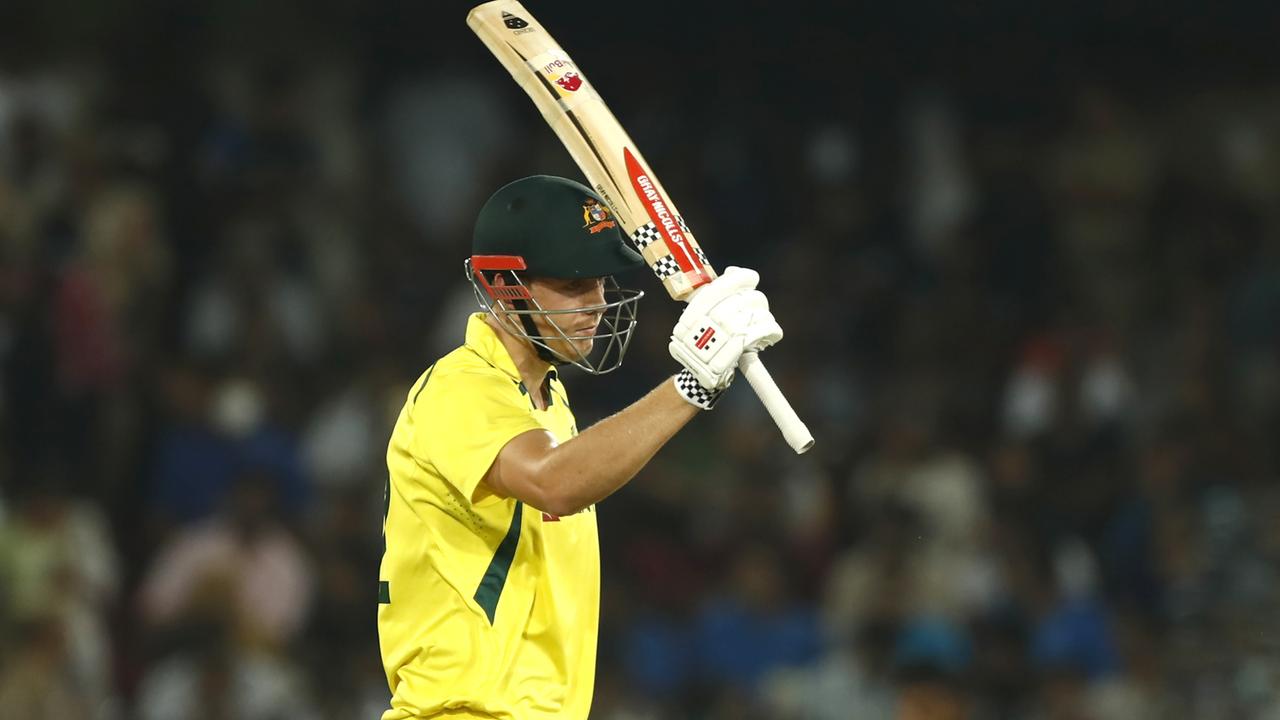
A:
(692, 391)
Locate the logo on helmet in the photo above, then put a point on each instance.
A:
(595, 217)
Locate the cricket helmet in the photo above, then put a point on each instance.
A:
(552, 227)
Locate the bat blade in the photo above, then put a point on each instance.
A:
(598, 143)
(615, 168)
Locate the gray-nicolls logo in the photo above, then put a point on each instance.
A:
(513, 22)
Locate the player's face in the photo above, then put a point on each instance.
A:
(580, 327)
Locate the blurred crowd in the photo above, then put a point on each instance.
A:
(1032, 314)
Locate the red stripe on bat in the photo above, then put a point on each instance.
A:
(706, 338)
(663, 219)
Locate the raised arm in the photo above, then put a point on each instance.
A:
(723, 319)
(562, 479)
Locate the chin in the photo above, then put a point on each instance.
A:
(570, 353)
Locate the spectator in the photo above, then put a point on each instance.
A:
(215, 432)
(244, 555)
(216, 678)
(34, 683)
(931, 660)
(59, 575)
(755, 627)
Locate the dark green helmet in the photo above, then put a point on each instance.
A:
(561, 229)
(544, 226)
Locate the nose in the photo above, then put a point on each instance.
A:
(595, 295)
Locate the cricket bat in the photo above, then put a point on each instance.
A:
(616, 169)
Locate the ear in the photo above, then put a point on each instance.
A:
(499, 280)
(503, 292)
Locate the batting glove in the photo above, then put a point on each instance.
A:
(724, 318)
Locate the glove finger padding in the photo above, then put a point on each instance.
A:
(732, 280)
(763, 332)
(748, 312)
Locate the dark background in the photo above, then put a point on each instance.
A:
(1027, 260)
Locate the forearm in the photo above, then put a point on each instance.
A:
(605, 456)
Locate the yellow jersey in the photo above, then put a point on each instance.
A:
(487, 608)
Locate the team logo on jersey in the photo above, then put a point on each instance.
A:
(570, 81)
(595, 217)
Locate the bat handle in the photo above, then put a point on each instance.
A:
(792, 427)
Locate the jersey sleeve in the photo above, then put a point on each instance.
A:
(462, 421)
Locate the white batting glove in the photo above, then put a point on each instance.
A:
(724, 318)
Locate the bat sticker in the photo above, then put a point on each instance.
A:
(570, 81)
(663, 219)
(514, 22)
